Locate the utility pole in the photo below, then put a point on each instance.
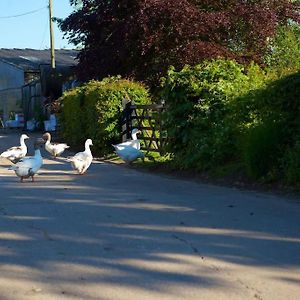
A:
(51, 36)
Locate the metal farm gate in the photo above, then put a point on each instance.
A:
(148, 119)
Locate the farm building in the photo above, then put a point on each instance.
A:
(27, 80)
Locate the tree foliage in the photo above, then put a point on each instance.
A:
(142, 38)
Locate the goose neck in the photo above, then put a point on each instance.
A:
(134, 136)
(22, 142)
(87, 149)
(37, 153)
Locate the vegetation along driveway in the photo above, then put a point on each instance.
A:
(117, 233)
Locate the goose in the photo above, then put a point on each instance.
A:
(55, 149)
(81, 161)
(128, 153)
(14, 154)
(29, 165)
(135, 142)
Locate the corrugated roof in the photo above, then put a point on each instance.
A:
(30, 59)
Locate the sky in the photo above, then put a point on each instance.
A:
(32, 30)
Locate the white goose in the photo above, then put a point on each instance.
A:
(14, 154)
(135, 142)
(81, 161)
(29, 165)
(55, 149)
(128, 153)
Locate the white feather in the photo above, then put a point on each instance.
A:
(135, 142)
(82, 160)
(16, 153)
(128, 153)
(28, 166)
(54, 149)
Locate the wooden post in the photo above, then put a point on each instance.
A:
(127, 114)
(51, 36)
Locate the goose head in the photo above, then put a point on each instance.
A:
(24, 137)
(88, 143)
(47, 136)
(134, 133)
(38, 143)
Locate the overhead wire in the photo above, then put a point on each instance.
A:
(45, 29)
(24, 14)
(44, 34)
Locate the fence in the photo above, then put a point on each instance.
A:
(148, 119)
(32, 100)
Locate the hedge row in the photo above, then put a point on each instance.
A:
(217, 113)
(94, 111)
(220, 112)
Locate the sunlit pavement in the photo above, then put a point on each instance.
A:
(116, 233)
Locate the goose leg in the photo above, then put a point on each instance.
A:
(32, 179)
(82, 171)
(21, 179)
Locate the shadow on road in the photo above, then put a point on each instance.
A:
(115, 229)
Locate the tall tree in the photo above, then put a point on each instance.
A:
(141, 38)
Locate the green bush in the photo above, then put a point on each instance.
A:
(291, 164)
(260, 149)
(94, 111)
(199, 117)
(220, 112)
(270, 127)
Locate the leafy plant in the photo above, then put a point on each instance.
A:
(199, 112)
(260, 148)
(283, 54)
(291, 164)
(94, 110)
(270, 127)
(221, 113)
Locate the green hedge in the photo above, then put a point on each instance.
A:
(94, 111)
(200, 101)
(220, 112)
(271, 141)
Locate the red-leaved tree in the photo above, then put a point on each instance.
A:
(142, 38)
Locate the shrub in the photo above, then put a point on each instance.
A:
(219, 112)
(260, 149)
(199, 117)
(271, 127)
(291, 164)
(94, 110)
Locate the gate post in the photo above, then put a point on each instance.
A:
(126, 127)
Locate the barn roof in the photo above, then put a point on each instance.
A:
(31, 59)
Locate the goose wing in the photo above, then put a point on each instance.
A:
(27, 166)
(81, 161)
(132, 143)
(14, 153)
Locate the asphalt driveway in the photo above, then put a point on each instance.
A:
(120, 234)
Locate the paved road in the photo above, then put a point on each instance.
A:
(119, 234)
